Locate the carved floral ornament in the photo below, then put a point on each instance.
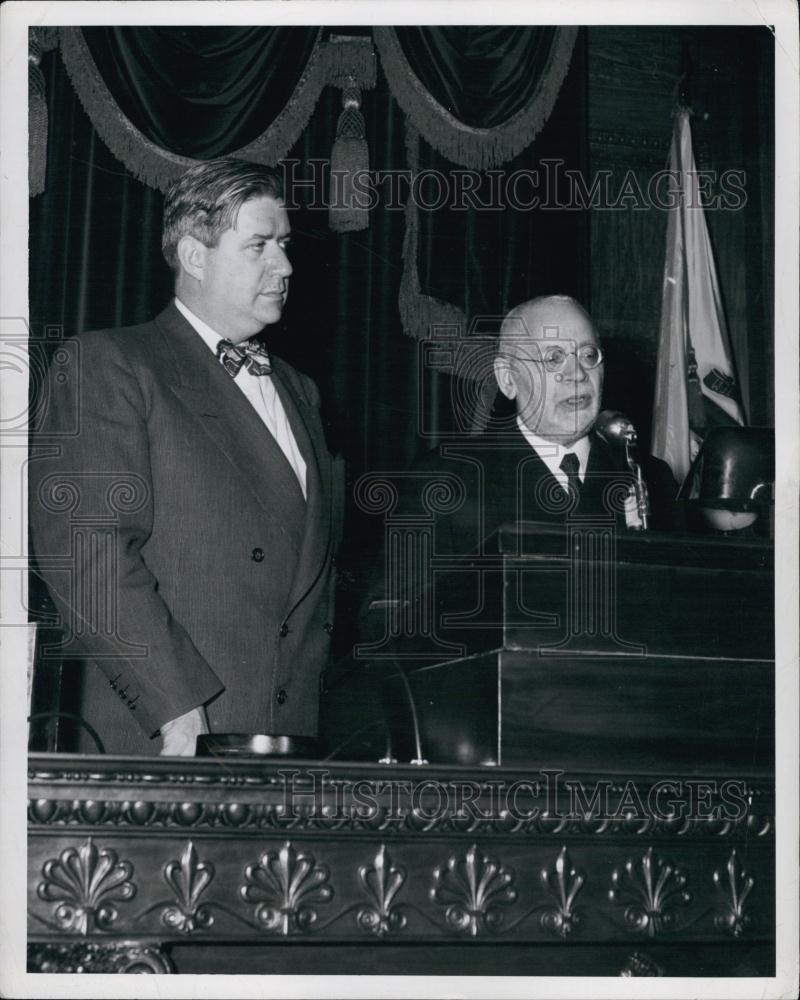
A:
(86, 883)
(649, 889)
(188, 879)
(563, 883)
(472, 887)
(287, 886)
(381, 881)
(734, 891)
(472, 894)
(89, 956)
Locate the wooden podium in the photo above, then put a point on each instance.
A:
(645, 658)
(573, 647)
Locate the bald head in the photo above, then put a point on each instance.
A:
(542, 318)
(545, 363)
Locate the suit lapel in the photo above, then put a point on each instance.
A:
(538, 493)
(307, 429)
(225, 414)
(516, 483)
(605, 473)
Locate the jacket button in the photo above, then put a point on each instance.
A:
(283, 631)
(257, 555)
(328, 628)
(281, 696)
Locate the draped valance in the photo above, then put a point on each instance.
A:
(163, 97)
(478, 95)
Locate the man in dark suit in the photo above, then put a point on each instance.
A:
(547, 463)
(186, 527)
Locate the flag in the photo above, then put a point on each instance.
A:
(696, 386)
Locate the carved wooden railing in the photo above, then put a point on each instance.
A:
(135, 864)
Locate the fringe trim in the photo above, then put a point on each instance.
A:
(479, 148)
(427, 318)
(420, 314)
(37, 117)
(347, 210)
(148, 162)
(158, 167)
(37, 141)
(46, 38)
(351, 56)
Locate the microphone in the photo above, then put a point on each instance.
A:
(615, 428)
(617, 431)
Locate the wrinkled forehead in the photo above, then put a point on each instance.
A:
(536, 328)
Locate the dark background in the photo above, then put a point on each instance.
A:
(95, 260)
(95, 256)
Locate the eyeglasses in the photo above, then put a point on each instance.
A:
(554, 358)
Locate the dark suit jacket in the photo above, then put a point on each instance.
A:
(467, 488)
(504, 481)
(175, 541)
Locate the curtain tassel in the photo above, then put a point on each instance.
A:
(348, 203)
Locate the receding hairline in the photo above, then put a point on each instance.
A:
(521, 321)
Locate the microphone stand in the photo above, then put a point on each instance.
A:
(639, 485)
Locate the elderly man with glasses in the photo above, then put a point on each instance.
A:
(546, 462)
(550, 364)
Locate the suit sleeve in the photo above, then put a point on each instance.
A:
(91, 511)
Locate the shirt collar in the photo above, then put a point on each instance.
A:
(551, 452)
(210, 336)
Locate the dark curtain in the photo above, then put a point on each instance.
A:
(201, 91)
(486, 261)
(482, 75)
(94, 257)
(95, 262)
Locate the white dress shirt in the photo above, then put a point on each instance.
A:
(261, 394)
(552, 453)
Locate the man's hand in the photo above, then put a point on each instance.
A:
(179, 735)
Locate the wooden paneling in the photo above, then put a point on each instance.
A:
(192, 865)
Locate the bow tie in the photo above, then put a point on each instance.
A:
(233, 356)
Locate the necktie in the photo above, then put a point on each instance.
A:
(571, 464)
(233, 356)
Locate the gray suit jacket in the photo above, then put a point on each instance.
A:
(175, 541)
